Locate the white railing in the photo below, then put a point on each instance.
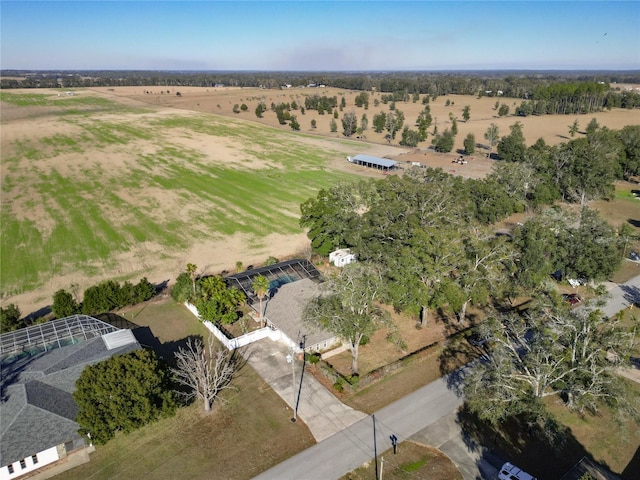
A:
(244, 340)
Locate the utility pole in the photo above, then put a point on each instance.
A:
(291, 360)
(375, 446)
(295, 411)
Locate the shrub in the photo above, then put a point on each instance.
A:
(10, 318)
(183, 288)
(353, 380)
(109, 295)
(271, 261)
(143, 291)
(122, 394)
(101, 298)
(312, 358)
(64, 305)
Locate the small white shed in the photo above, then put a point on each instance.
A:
(342, 257)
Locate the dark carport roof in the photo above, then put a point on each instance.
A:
(278, 274)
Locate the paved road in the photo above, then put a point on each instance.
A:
(353, 446)
(427, 415)
(623, 296)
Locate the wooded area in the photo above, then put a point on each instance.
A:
(430, 238)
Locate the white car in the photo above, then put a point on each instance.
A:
(511, 472)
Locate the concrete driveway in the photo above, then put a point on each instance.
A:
(318, 408)
(622, 296)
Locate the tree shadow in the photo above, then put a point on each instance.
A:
(547, 451)
(635, 223)
(458, 351)
(631, 294)
(11, 368)
(632, 470)
(167, 350)
(41, 312)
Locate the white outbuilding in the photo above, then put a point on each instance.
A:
(342, 257)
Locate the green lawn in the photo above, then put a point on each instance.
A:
(64, 217)
(247, 433)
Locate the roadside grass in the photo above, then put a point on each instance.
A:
(626, 272)
(609, 441)
(412, 460)
(94, 212)
(248, 431)
(624, 208)
(392, 387)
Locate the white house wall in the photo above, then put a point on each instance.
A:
(45, 457)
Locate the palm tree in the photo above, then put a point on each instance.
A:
(191, 271)
(261, 288)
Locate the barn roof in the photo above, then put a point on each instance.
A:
(383, 162)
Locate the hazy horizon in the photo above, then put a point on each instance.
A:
(330, 36)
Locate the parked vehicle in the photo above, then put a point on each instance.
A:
(634, 256)
(572, 298)
(511, 472)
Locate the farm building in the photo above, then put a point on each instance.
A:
(342, 257)
(373, 162)
(40, 365)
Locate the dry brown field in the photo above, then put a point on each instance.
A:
(220, 252)
(553, 129)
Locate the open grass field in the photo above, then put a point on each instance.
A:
(127, 182)
(96, 188)
(244, 435)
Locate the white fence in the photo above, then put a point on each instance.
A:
(233, 343)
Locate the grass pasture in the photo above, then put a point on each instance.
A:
(123, 193)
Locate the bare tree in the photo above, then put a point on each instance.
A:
(205, 372)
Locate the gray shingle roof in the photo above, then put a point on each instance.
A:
(37, 410)
(285, 311)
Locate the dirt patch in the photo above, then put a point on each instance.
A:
(553, 129)
(382, 350)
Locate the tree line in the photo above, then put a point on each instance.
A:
(525, 85)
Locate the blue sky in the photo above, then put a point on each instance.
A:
(329, 35)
